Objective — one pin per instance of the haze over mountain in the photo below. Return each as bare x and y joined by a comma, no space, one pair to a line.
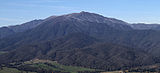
82,39
142,26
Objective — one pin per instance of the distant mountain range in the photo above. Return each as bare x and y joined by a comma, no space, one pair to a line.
82,39
5,31
142,26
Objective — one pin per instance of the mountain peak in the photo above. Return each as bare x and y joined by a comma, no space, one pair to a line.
93,17
84,12
88,13
83,18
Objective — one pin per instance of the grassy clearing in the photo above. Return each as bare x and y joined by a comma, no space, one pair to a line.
44,66
71,68
53,65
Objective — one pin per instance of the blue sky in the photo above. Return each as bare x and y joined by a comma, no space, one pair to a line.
13,12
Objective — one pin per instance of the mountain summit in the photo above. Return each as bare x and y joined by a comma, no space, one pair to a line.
92,17
87,17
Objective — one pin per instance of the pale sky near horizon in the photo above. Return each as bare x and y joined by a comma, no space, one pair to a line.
13,12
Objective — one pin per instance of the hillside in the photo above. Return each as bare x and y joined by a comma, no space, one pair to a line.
81,50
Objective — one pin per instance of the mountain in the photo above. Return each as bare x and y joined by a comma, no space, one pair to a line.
142,26
54,27
83,39
74,18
